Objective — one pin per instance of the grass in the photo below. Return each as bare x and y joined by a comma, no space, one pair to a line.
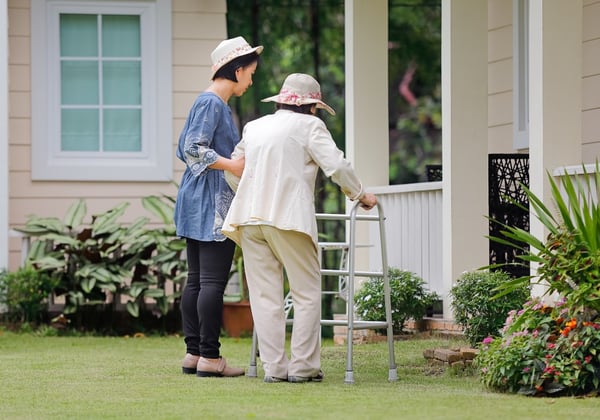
120,377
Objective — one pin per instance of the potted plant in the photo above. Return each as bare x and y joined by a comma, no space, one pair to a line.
237,316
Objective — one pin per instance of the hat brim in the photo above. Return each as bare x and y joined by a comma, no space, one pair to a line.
320,104
258,50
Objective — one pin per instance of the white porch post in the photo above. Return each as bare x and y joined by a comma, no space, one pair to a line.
367,137
465,142
367,144
555,69
3,134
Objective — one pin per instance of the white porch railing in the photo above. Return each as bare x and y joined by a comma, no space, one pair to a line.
413,227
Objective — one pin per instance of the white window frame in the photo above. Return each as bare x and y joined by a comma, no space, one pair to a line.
521,74
154,162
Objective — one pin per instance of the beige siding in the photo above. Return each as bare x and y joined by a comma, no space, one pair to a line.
500,109
198,26
591,82
499,13
500,78
500,137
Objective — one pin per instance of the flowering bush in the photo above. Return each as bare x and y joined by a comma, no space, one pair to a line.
544,350
409,299
554,349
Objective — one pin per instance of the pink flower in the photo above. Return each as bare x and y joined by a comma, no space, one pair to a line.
487,340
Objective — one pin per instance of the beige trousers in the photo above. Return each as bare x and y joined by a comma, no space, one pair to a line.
267,251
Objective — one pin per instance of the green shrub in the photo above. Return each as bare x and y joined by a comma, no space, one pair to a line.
104,258
474,309
409,299
25,294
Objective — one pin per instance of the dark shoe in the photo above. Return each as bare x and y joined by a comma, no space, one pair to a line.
188,366
302,379
216,367
274,379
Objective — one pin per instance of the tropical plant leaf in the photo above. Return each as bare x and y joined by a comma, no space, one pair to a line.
136,289
37,226
107,222
38,249
133,308
159,208
154,293
49,263
61,239
75,214
88,283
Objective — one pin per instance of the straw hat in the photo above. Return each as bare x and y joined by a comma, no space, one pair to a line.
300,89
228,50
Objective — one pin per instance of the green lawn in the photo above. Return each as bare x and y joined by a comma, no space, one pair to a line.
120,377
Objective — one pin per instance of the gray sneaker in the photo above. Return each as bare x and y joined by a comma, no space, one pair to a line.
302,379
274,379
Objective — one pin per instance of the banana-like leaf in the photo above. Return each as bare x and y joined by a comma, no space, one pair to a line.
75,214
37,226
107,222
154,293
111,287
133,308
88,283
137,226
136,289
49,263
159,208
38,249
61,239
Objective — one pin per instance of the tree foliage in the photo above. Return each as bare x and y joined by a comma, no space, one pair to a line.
307,36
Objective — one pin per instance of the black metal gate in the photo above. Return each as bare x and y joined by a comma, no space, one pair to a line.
506,173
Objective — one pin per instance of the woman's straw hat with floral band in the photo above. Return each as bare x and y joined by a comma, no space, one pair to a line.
300,89
228,50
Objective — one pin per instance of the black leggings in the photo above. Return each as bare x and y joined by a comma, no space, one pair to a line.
209,264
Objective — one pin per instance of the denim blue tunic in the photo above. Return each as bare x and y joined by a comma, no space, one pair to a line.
204,197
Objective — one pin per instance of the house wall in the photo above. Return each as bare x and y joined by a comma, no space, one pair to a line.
591,82
500,64
197,27
500,79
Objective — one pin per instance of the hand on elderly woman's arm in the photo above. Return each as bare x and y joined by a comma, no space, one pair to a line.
235,166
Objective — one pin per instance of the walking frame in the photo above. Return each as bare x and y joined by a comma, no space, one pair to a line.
346,277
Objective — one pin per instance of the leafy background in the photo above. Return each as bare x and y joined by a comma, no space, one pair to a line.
307,36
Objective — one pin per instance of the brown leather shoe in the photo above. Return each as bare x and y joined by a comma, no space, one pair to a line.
216,367
188,365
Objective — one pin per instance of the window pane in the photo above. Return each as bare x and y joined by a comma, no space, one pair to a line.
120,36
122,83
79,130
79,82
78,35
122,130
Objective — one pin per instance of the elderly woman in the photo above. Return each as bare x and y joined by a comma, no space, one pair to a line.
273,219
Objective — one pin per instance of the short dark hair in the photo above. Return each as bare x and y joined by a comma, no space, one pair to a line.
229,69
301,109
